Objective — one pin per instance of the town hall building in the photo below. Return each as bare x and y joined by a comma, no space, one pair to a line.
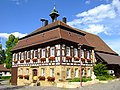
56,52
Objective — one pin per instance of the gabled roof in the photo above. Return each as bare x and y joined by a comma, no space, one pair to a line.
110,59
3,68
97,42
54,31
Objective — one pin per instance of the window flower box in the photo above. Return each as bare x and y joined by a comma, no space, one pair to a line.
26,76
27,60
82,59
34,59
76,58
21,61
89,59
51,58
51,78
68,58
41,77
20,76
43,59
15,61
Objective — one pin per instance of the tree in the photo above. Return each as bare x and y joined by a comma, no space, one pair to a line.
2,55
100,69
10,43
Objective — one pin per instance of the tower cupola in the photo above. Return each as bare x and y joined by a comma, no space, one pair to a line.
54,14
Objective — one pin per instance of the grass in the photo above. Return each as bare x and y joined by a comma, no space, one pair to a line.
78,79
105,77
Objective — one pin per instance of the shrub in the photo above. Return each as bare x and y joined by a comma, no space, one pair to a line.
78,79
5,77
100,69
105,77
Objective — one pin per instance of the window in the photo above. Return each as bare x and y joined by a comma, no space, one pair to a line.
52,51
43,52
88,55
76,72
88,72
75,52
35,53
82,53
42,71
21,71
83,72
28,54
67,51
16,56
22,56
27,71
51,72
68,72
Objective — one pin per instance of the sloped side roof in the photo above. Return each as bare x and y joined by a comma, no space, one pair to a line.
97,42
2,68
110,59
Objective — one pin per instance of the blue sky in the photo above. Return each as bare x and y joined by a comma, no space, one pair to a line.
101,17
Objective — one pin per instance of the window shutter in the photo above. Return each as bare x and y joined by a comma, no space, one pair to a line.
45,52
17,56
48,52
55,52
20,55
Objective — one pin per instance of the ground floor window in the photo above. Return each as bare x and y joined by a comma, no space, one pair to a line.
76,72
51,72
42,71
83,72
68,73
88,72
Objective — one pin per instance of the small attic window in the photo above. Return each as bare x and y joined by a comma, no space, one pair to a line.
69,33
42,34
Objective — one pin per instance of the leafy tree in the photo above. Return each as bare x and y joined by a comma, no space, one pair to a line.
100,69
2,55
10,43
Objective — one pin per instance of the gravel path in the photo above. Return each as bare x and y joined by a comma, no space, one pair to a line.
109,86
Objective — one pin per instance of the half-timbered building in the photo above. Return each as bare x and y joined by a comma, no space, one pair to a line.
53,52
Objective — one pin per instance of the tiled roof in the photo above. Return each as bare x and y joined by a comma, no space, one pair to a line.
2,68
97,42
110,59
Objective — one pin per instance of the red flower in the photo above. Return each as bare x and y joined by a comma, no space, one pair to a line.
27,60
21,61
26,76
76,58
41,77
89,59
51,58
15,61
51,78
20,76
34,59
82,59
43,59
68,58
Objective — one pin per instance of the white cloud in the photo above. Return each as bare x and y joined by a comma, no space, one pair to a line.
18,2
94,19
16,34
96,29
87,2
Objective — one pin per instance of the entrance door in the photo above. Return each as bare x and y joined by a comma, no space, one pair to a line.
34,74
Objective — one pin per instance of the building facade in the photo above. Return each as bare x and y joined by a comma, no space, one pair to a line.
54,53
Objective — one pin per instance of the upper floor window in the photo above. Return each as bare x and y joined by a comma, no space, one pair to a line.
22,55
88,55
28,54
43,52
35,53
67,51
82,53
75,52
52,51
